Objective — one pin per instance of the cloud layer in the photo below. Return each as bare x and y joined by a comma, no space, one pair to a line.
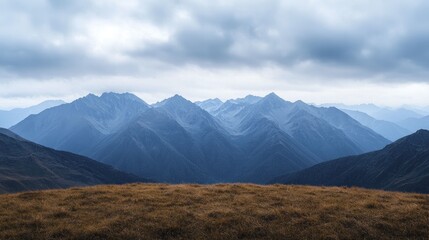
292,43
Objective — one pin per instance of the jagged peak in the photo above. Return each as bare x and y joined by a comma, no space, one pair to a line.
125,95
251,99
273,98
176,100
272,95
110,97
300,103
90,95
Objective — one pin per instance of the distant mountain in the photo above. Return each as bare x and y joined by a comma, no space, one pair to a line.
80,125
389,130
395,115
219,154
270,151
167,143
325,132
155,146
414,124
14,116
424,111
278,134
381,113
400,166
226,111
250,139
29,166
249,99
365,108
210,105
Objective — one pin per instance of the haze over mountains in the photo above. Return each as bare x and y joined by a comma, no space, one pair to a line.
415,124
389,122
389,130
9,118
400,166
382,113
250,139
28,166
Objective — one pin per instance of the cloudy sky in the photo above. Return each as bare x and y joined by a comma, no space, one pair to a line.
335,51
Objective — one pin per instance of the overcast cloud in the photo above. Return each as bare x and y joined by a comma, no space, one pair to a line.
341,51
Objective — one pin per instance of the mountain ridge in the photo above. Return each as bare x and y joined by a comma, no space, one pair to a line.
400,166
29,166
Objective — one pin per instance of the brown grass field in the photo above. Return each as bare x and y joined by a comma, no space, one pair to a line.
157,211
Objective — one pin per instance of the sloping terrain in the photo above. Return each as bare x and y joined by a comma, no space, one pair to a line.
400,166
142,211
27,166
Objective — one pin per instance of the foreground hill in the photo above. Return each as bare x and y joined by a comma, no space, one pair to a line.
401,166
141,211
28,166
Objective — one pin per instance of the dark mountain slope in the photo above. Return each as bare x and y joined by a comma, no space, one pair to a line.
154,146
400,166
220,156
271,152
364,138
28,166
319,137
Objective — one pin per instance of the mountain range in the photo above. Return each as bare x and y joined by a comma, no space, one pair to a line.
242,140
391,123
14,116
400,166
414,124
395,115
389,130
28,166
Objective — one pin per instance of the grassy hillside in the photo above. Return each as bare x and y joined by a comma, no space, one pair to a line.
142,211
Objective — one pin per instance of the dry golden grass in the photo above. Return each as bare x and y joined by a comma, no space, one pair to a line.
155,211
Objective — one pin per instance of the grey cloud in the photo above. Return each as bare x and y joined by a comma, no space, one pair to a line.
363,37
29,59
367,45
